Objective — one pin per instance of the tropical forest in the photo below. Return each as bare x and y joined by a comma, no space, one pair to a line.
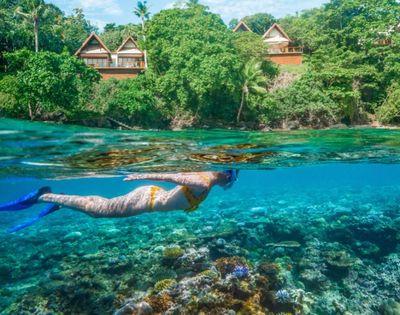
200,73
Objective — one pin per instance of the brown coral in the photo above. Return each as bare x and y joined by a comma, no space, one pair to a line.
226,265
173,252
160,302
270,272
252,306
164,285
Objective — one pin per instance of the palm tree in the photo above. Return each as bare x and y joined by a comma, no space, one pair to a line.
191,3
142,12
35,10
254,81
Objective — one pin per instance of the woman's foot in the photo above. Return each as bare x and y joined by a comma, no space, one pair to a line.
25,201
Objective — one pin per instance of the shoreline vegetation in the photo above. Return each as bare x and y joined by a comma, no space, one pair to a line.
203,75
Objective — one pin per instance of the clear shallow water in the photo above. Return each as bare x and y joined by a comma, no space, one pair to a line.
67,151
333,194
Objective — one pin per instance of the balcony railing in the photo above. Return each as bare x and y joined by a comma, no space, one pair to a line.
285,50
129,65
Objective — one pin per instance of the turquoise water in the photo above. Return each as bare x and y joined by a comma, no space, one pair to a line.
314,214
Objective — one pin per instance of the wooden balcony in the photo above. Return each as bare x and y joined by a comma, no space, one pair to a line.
285,50
131,65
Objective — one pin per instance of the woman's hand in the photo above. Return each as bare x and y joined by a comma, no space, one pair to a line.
133,177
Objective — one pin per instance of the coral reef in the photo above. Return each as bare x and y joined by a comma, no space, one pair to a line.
319,253
173,252
163,285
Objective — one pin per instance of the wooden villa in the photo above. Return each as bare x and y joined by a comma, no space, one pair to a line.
126,62
280,48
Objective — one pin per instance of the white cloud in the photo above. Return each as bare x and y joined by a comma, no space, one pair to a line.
100,7
229,9
99,23
92,7
96,11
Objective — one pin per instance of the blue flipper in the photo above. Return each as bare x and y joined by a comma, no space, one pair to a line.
26,201
50,208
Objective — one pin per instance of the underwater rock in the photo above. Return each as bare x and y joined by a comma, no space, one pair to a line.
192,260
314,279
159,249
220,243
285,244
390,307
278,252
227,250
304,301
118,264
112,232
56,275
180,234
72,236
141,308
158,273
340,261
367,249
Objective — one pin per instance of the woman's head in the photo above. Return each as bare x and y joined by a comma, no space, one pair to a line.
231,176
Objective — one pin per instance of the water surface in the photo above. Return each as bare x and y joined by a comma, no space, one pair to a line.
332,195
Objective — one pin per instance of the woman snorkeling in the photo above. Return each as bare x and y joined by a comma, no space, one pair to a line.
192,189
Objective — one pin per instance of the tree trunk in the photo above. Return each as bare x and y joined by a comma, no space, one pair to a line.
144,40
30,111
36,31
244,92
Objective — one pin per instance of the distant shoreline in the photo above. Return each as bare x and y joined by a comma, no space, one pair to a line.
215,127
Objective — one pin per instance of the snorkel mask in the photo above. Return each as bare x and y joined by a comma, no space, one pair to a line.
232,177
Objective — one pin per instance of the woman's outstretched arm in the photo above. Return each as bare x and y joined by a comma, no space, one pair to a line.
199,179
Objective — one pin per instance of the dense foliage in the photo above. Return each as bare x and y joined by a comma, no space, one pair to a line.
46,84
114,35
353,49
390,110
196,66
56,31
201,73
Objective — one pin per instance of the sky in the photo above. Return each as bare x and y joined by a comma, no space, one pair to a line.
101,12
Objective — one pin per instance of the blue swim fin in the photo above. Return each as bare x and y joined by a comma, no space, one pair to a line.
50,208
25,201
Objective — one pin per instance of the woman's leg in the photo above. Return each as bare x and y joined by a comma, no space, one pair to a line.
134,203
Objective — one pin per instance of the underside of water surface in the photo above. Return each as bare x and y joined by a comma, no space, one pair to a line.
311,227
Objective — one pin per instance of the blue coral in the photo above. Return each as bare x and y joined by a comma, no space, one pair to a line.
282,296
240,272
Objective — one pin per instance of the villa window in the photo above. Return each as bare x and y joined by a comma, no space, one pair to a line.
96,62
128,62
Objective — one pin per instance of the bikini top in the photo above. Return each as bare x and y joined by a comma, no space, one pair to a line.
194,200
